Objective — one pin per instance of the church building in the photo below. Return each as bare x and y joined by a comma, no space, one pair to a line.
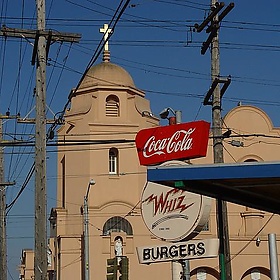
106,113
100,182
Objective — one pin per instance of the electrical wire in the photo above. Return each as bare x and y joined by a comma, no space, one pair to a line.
204,76
2,53
252,239
114,226
10,275
241,25
32,169
229,154
192,5
60,74
29,175
13,170
231,99
114,20
52,73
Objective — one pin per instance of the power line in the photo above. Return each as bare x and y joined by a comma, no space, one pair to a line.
248,80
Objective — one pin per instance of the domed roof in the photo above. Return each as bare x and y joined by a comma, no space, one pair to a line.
107,74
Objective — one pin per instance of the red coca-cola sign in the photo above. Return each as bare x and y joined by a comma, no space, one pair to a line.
180,141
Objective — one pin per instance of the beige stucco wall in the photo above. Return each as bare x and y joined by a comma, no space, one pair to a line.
26,270
119,195
112,194
251,126
116,195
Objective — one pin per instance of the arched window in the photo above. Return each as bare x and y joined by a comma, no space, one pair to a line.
250,160
112,106
117,224
113,161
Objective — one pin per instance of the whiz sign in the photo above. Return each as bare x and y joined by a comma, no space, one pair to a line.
180,141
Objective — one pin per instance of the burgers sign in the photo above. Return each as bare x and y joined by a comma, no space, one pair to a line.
195,249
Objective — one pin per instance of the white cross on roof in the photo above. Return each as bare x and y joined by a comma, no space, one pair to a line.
106,30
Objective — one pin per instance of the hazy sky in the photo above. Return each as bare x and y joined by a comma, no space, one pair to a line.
154,41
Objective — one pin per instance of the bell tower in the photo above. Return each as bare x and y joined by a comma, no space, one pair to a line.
107,111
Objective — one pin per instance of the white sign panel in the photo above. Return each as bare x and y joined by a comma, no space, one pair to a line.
195,249
173,214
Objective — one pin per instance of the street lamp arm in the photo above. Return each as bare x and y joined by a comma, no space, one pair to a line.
91,183
165,112
86,230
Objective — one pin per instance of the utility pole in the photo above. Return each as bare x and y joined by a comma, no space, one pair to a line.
3,246
3,185
213,20
221,206
42,43
40,254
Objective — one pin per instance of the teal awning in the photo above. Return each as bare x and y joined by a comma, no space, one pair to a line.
255,185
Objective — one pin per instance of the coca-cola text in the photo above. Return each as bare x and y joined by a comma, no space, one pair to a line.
180,141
